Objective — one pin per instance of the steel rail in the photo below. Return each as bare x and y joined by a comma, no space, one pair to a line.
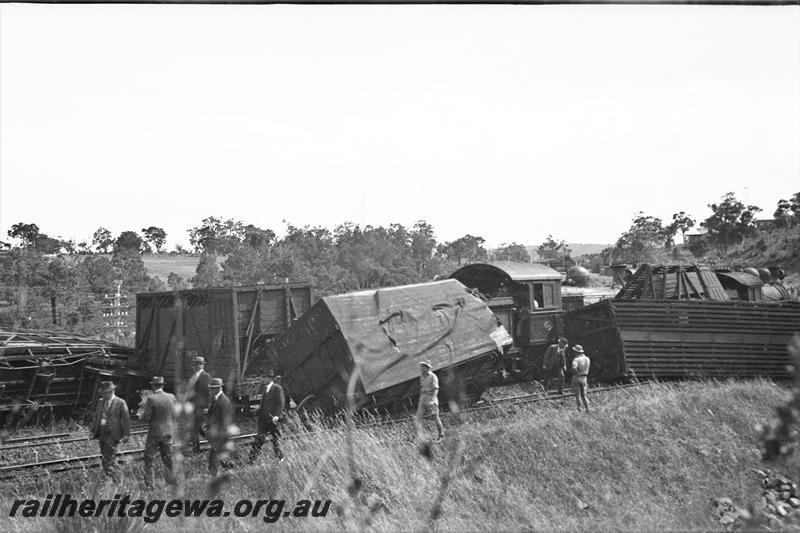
34,441
68,440
72,463
16,440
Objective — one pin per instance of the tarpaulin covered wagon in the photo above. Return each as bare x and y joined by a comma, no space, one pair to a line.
385,333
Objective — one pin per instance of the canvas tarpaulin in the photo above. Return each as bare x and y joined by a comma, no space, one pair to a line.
389,331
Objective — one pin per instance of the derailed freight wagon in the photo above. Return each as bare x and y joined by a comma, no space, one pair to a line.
386,333
648,338
229,326
58,370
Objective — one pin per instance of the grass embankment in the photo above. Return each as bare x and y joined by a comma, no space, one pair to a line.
650,458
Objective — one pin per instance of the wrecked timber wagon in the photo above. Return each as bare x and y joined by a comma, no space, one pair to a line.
46,369
679,321
385,333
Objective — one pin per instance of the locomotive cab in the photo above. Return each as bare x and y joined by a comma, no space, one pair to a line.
526,298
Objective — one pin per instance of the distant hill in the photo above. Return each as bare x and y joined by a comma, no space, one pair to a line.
776,247
578,249
160,265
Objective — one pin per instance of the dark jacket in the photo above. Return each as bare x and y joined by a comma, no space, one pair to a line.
220,420
553,359
200,397
159,410
118,419
272,404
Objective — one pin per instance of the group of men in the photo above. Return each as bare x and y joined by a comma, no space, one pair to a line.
212,415
554,367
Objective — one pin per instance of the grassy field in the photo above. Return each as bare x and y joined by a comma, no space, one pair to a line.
647,459
160,265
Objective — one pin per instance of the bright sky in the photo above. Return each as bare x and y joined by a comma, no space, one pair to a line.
507,122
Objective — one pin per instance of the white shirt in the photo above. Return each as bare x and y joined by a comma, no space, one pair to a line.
103,419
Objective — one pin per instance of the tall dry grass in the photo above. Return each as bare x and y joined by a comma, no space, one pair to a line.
650,458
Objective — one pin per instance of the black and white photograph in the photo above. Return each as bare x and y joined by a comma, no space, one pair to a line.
399,266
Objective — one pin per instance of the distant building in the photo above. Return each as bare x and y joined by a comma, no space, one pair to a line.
691,238
766,224
562,264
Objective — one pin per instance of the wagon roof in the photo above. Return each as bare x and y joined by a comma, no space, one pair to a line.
13,340
389,331
241,288
510,270
743,278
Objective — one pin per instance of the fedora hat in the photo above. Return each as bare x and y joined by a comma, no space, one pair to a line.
269,374
426,363
215,382
157,380
577,348
197,360
106,386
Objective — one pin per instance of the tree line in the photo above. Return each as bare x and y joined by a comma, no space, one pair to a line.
47,281
730,222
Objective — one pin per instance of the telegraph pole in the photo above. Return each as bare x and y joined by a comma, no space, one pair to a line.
115,311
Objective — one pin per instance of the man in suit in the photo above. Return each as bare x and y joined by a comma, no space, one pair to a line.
268,416
220,427
159,411
554,364
110,426
197,395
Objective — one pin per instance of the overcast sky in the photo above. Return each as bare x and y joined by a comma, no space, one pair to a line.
507,122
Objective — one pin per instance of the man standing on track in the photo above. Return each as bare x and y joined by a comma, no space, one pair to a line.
159,411
220,427
197,395
554,364
580,371
110,426
429,399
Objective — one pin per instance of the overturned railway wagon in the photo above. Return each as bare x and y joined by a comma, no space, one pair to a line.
385,333
648,338
229,326
56,369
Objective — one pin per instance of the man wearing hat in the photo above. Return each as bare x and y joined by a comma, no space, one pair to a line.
554,363
197,395
111,424
220,427
580,371
429,398
159,411
269,414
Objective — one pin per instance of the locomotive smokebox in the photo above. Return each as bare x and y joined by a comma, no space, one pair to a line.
579,275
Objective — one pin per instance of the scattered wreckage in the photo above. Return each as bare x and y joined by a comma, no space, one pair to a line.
685,321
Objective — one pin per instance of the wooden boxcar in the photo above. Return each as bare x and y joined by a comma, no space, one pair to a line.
230,327
526,297
386,333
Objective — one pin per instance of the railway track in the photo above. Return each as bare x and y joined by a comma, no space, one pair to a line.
91,460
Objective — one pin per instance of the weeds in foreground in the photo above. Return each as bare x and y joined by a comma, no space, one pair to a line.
648,459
